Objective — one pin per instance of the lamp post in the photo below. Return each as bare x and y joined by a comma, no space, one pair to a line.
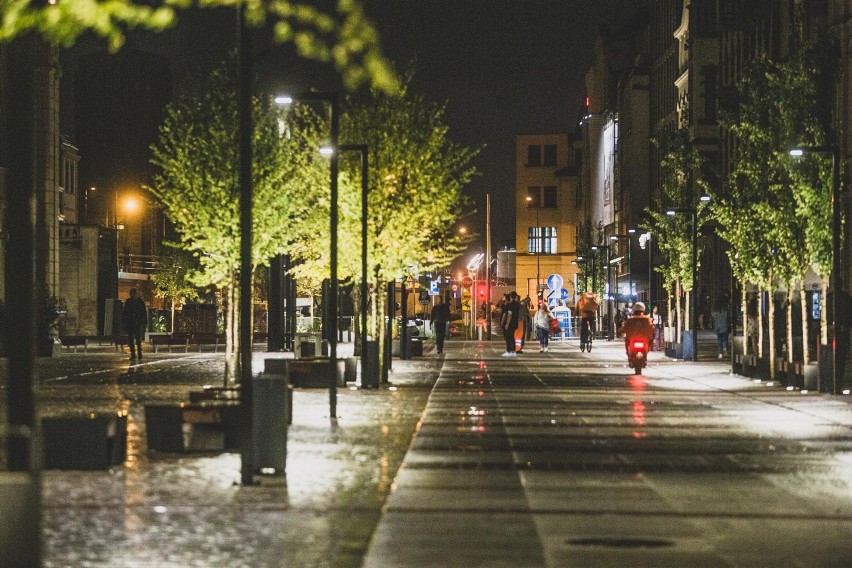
362,149
629,240
837,276
539,234
608,295
692,306
331,309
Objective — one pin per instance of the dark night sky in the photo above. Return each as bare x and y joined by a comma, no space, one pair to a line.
503,67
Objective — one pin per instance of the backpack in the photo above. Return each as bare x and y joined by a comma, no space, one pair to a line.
554,325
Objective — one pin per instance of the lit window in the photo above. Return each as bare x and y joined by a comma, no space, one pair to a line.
541,239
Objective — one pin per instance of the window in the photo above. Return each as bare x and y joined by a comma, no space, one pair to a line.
534,197
533,155
550,196
550,154
541,239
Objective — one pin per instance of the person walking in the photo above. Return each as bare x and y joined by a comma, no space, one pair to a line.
135,319
720,325
657,320
509,323
440,322
542,325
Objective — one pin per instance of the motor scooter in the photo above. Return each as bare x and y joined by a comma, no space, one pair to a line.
637,354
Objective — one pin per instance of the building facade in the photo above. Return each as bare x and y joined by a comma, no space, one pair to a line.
549,206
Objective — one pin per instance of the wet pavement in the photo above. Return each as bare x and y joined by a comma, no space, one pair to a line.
470,459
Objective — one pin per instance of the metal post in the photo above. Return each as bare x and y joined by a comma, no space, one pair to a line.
692,307
20,288
245,324
332,305
488,267
362,148
835,258
275,339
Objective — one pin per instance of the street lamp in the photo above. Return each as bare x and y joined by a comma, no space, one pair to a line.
331,309
692,306
609,314
540,234
837,277
362,149
628,238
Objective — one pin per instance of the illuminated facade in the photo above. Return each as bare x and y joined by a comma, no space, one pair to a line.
549,204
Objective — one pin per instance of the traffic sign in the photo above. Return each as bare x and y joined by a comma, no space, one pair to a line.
467,281
424,297
433,287
554,282
465,304
563,294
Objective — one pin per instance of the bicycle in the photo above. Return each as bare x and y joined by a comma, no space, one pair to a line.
586,335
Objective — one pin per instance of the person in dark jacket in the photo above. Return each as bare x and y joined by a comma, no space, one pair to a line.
440,321
135,319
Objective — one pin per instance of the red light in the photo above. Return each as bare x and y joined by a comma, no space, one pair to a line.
587,101
639,345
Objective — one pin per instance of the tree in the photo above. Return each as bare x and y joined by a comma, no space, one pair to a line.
776,214
343,37
416,180
171,279
198,185
682,180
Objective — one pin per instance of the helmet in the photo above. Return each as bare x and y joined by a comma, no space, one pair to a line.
639,308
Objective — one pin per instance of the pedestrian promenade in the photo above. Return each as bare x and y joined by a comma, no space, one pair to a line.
470,459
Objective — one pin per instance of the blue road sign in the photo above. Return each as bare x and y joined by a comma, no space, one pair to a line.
563,294
554,282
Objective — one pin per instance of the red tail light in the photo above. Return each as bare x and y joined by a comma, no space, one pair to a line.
639,345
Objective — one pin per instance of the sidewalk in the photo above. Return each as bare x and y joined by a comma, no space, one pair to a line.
466,459
182,510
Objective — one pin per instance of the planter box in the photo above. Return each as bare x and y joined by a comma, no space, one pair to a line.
674,350
84,441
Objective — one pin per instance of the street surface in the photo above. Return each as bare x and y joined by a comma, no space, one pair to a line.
555,459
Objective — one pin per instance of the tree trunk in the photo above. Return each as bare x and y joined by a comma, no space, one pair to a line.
678,313
803,299
789,322
356,320
771,328
760,322
744,308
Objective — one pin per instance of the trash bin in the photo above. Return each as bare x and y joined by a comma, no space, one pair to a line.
370,366
416,347
270,419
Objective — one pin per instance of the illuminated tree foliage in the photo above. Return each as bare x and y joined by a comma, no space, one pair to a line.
776,212
416,180
198,185
343,36
682,181
171,279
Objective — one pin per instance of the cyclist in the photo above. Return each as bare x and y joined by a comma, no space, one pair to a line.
587,305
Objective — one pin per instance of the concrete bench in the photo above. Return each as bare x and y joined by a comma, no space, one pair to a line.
313,372
170,340
210,426
75,341
202,339
211,393
88,441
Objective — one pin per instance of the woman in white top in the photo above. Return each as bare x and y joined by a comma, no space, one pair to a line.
542,323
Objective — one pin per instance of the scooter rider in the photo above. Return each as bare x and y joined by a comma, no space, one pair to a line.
638,326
